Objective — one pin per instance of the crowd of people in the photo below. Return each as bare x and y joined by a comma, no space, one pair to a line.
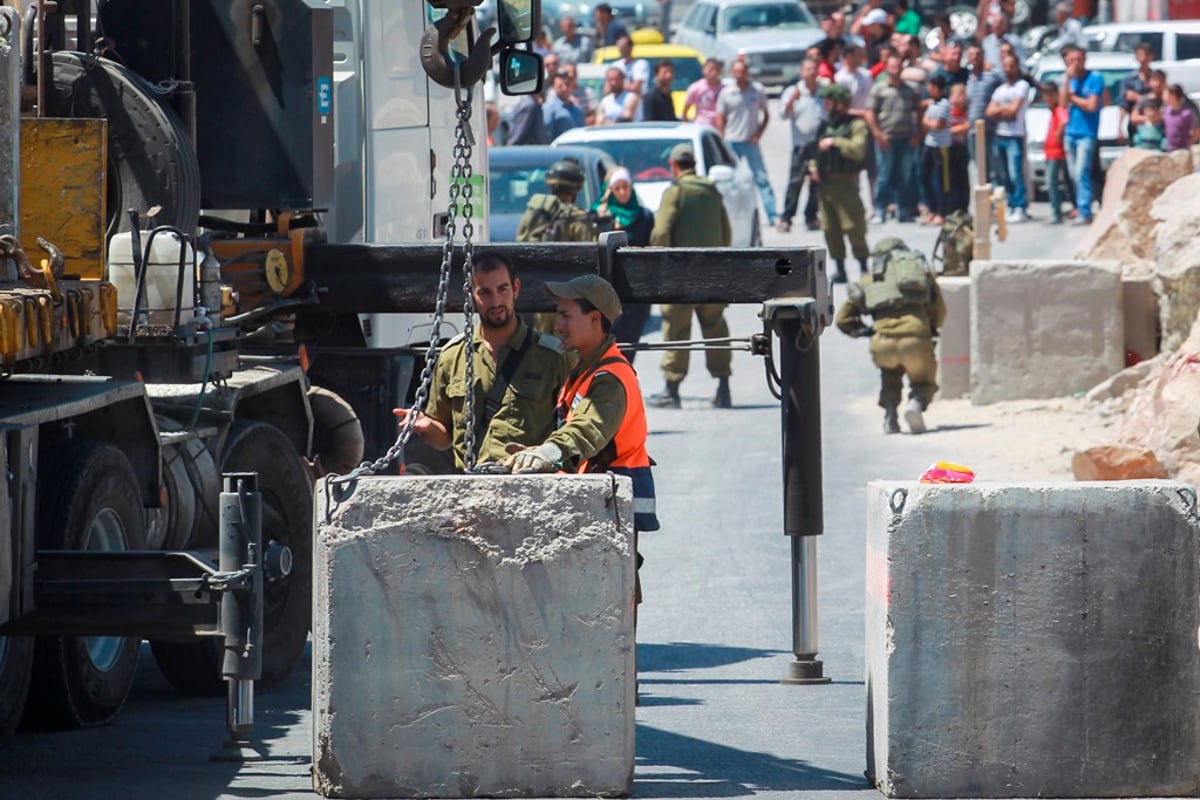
921,106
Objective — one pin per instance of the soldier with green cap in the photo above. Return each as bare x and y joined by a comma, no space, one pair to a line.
903,299
841,152
692,214
554,217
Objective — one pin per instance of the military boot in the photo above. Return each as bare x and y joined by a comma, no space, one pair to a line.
912,415
722,398
891,420
667,398
864,266
840,275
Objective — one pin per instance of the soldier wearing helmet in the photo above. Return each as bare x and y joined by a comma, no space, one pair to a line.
554,217
841,152
906,306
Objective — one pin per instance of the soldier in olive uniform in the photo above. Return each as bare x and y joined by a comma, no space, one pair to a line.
692,214
842,142
555,218
517,375
902,297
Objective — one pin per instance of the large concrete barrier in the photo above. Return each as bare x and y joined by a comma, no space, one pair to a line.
1033,640
474,636
954,346
1044,328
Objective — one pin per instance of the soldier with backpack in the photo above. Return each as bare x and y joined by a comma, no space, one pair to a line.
902,297
554,217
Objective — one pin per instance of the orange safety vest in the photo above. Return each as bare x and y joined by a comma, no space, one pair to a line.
626,453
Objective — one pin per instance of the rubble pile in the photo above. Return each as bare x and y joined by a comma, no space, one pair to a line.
1151,223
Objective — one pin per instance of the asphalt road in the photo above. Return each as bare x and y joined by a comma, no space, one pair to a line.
714,631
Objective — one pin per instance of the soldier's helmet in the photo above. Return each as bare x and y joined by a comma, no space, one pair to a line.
835,92
565,174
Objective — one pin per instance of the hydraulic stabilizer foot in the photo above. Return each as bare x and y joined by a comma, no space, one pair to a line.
805,672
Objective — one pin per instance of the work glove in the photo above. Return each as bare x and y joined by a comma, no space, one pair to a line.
861,331
523,460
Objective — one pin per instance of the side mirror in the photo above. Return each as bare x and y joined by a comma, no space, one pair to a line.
519,20
521,72
720,173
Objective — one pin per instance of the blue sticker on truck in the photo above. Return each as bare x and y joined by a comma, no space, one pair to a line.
324,95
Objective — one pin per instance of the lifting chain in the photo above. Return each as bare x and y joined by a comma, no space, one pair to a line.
340,487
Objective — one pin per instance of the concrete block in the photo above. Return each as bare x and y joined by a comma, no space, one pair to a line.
954,346
1139,309
1033,640
474,636
1044,328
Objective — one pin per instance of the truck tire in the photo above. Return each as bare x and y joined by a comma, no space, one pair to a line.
337,433
151,160
195,667
89,502
16,669
188,520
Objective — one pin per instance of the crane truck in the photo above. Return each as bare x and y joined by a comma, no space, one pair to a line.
231,201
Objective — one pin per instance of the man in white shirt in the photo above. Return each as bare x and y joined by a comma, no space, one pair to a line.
1007,108
1070,30
857,79
741,119
618,104
637,70
800,106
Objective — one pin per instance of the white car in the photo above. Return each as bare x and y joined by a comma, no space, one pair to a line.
1171,40
1050,69
644,148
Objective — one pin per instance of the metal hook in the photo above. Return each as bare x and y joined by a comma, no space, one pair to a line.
897,500
435,51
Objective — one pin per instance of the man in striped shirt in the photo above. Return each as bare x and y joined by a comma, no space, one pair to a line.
980,87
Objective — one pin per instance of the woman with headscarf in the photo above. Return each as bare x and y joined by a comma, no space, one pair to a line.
619,209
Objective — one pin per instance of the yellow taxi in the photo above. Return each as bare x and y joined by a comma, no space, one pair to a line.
686,60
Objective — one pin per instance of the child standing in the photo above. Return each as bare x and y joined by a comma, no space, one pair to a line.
1178,119
935,155
960,125
1150,133
1056,155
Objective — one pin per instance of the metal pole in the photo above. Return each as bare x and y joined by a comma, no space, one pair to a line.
10,121
797,324
241,619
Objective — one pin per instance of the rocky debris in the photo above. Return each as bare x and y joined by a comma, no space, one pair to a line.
1115,462
1177,259
1124,228
1164,408
1119,385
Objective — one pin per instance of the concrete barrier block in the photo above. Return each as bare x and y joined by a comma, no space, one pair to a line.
1033,640
1139,309
954,346
474,636
1044,328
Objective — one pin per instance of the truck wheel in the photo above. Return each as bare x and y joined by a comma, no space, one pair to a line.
195,667
16,668
90,502
188,521
151,161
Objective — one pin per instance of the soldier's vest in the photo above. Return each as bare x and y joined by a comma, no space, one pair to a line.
833,161
901,283
549,219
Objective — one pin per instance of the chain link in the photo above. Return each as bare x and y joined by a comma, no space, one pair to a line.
461,193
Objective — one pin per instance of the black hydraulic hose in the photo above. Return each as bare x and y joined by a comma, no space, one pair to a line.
139,271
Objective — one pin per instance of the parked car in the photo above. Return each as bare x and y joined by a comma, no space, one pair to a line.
644,148
771,36
1051,69
687,62
1172,41
517,173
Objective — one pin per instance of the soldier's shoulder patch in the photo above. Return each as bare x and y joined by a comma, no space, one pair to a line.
550,342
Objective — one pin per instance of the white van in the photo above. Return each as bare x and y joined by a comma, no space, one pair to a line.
1172,41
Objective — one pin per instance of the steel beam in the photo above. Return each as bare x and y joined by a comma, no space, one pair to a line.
376,279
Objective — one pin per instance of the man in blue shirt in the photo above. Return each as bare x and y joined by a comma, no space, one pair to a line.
1083,96
608,29
559,112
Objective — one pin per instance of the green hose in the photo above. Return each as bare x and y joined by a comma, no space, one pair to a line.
203,386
